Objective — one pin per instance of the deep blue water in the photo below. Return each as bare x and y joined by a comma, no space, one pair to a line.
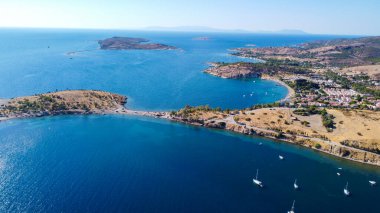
134,164
131,164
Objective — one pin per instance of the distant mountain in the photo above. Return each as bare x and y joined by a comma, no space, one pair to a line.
193,29
211,29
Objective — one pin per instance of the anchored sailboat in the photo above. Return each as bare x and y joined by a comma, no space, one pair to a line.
346,191
295,185
256,180
292,210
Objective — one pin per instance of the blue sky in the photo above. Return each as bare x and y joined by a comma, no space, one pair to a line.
314,16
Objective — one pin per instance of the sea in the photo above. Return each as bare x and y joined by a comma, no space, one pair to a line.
118,163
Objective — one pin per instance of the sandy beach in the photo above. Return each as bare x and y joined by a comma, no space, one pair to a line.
291,92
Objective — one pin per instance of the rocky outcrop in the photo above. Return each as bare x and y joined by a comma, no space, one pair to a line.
215,124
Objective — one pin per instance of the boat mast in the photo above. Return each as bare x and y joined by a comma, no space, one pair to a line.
293,206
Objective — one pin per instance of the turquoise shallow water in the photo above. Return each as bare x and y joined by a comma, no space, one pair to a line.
134,164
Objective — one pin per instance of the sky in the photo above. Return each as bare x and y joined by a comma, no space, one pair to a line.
344,17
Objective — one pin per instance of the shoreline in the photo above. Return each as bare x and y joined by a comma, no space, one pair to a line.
291,92
335,149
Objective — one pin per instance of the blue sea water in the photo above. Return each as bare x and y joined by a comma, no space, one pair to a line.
135,164
154,80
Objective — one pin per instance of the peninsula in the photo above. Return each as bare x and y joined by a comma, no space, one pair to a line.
340,73
350,134
335,101
126,43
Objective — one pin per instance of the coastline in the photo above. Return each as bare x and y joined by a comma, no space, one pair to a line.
334,149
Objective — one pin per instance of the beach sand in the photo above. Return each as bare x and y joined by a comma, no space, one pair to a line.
291,92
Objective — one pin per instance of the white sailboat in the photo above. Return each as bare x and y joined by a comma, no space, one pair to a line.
292,210
346,191
372,182
281,157
256,180
338,173
295,185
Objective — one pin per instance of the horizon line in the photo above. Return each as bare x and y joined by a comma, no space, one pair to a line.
217,30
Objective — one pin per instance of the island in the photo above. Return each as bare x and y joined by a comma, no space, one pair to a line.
60,103
126,43
201,38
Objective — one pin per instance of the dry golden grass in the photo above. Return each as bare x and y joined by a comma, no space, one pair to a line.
371,70
360,126
76,100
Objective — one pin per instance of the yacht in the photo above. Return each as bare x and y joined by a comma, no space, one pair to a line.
372,182
281,157
295,185
292,210
256,180
346,191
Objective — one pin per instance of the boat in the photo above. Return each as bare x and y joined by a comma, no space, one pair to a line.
281,157
346,191
260,143
338,173
295,185
256,180
372,182
292,209
340,168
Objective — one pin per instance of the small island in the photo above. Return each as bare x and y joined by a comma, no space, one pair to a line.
126,43
60,103
201,38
